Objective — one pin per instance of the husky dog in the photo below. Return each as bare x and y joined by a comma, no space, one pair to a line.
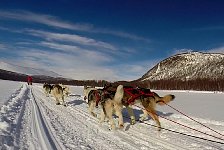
47,89
112,104
105,97
57,92
91,98
148,102
66,90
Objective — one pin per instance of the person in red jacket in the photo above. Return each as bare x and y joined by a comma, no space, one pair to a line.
29,80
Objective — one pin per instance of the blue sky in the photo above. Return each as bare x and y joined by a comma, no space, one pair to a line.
101,39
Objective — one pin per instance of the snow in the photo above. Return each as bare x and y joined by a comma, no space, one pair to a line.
6,92
30,120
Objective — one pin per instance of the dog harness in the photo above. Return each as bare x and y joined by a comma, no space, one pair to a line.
136,93
97,95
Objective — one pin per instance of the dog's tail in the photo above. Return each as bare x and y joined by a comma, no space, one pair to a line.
119,94
163,100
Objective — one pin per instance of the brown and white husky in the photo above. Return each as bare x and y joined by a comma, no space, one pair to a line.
57,92
148,102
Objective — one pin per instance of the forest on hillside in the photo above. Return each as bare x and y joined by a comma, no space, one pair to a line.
196,84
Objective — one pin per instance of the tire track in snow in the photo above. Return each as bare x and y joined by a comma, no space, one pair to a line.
11,113
40,131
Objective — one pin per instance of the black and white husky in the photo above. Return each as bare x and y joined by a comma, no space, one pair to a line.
90,98
47,89
110,102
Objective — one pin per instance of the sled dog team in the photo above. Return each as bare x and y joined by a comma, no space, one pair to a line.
112,99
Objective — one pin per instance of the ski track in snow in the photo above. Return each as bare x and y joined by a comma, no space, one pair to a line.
33,121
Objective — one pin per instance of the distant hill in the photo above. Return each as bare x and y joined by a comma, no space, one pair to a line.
19,73
27,70
188,66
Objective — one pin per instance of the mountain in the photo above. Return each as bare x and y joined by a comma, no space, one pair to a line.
188,66
27,70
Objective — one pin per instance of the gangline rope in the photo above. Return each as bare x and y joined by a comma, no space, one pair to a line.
185,127
193,136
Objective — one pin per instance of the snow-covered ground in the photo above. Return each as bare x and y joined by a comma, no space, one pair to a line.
30,120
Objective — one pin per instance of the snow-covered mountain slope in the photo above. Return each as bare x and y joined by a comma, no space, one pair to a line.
188,66
27,70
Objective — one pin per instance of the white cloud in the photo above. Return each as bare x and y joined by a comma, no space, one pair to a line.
71,55
217,50
122,34
135,70
53,21
183,50
61,47
90,72
81,65
42,19
77,51
84,66
71,38
2,46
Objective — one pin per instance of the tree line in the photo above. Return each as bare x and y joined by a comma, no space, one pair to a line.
196,84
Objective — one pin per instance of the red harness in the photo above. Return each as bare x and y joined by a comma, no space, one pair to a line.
136,93
97,95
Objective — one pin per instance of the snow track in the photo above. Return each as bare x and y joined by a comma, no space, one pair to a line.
11,117
39,128
35,122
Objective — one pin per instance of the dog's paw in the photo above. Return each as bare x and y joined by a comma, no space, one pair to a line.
121,126
133,121
159,129
94,115
141,120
